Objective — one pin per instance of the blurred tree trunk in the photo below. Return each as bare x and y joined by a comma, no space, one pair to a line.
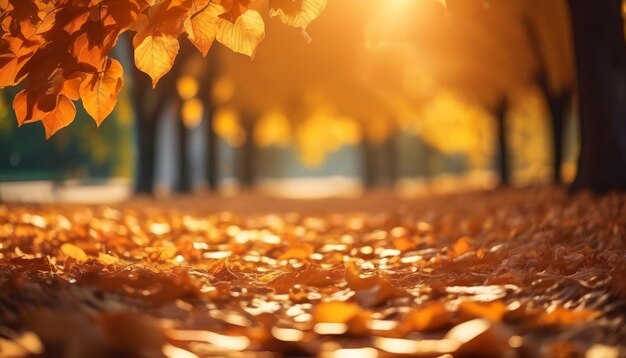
601,71
147,109
557,103
205,94
184,180
500,111
246,154
390,147
378,164
558,106
368,170
212,155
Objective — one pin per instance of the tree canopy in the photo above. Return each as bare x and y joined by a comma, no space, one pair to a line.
59,50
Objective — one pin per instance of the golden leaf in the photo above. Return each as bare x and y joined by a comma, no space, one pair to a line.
244,35
560,316
74,252
201,27
107,259
461,246
60,117
155,55
335,312
430,317
191,112
297,13
99,91
494,311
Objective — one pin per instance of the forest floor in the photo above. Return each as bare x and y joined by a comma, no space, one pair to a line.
506,273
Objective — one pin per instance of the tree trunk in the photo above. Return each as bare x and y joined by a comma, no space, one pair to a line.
368,165
601,71
246,156
184,181
212,155
391,159
500,112
205,95
558,106
146,119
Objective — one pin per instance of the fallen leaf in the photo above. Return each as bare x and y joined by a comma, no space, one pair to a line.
74,252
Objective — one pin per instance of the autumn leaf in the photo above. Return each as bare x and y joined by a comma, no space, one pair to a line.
94,43
494,310
233,9
156,42
155,55
25,111
124,12
60,117
559,316
370,290
430,317
244,35
349,314
99,91
297,13
201,27
299,252
45,43
74,252
14,54
335,312
461,246
107,259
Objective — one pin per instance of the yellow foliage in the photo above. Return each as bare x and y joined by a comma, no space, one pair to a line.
529,134
379,130
453,126
223,90
323,133
155,55
191,112
74,252
201,27
310,9
347,130
272,129
244,35
187,87
226,124
99,91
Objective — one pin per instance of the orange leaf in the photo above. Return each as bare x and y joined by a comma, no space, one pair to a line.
74,252
70,87
494,311
25,110
233,9
300,252
430,317
297,13
14,54
155,55
560,316
244,35
202,26
371,290
99,91
60,117
335,312
461,246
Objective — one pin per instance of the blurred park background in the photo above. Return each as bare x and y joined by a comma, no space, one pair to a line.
412,96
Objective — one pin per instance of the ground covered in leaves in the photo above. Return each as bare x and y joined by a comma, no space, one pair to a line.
526,273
